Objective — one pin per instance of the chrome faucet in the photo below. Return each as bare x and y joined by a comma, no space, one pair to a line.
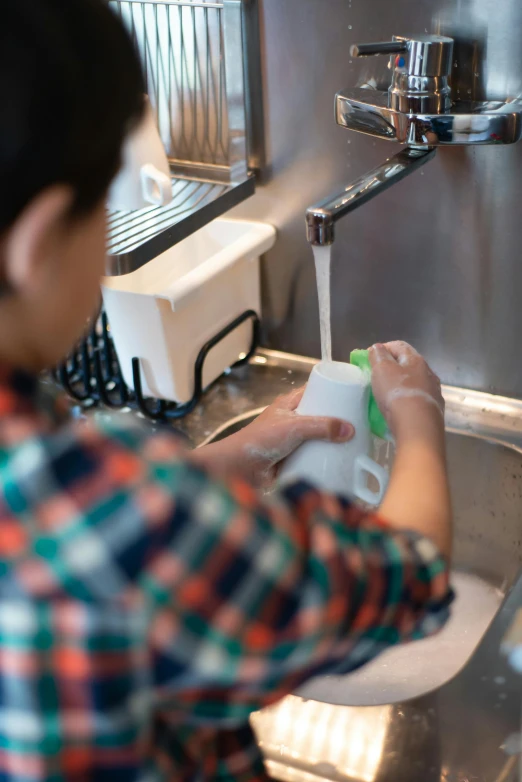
321,219
418,111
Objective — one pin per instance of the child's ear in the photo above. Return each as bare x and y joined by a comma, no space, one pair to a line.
32,245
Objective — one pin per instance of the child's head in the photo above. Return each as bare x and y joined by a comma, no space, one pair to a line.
71,89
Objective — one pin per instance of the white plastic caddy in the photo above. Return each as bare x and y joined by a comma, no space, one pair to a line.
165,312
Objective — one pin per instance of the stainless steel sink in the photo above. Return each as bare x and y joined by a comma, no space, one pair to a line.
454,731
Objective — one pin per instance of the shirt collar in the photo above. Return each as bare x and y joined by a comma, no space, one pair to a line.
28,405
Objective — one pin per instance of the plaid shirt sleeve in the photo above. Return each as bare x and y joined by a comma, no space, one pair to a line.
146,611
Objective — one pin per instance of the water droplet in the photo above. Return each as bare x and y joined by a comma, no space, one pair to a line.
456,64
499,679
349,141
350,27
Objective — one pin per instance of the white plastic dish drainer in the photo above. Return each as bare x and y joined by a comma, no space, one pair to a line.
166,312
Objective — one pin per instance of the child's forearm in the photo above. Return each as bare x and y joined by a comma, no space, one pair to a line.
418,497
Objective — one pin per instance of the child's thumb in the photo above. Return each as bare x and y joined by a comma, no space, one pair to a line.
321,428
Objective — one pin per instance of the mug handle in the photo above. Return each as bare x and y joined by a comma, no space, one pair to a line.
156,186
365,466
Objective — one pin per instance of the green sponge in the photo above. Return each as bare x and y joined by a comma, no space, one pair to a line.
378,426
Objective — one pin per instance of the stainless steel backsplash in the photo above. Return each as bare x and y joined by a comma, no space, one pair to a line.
436,260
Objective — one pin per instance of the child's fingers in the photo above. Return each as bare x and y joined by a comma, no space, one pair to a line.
290,401
402,351
379,354
295,398
278,441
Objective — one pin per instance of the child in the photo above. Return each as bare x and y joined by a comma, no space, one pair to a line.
147,608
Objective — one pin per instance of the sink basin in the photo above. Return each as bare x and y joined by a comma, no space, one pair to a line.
460,702
342,728
486,483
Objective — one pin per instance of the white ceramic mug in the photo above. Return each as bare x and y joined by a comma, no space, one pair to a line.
339,391
144,178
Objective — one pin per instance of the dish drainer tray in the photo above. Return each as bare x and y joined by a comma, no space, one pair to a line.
135,238
195,56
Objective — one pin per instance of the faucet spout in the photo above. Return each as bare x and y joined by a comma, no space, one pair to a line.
321,219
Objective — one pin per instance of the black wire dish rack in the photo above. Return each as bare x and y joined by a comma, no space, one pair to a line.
91,375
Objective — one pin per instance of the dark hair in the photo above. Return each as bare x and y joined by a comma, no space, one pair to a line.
71,87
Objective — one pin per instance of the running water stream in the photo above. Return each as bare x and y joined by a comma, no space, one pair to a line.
322,256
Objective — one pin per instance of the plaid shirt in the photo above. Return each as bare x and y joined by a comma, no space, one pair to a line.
146,611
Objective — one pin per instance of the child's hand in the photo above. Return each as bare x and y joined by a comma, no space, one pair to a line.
407,391
257,451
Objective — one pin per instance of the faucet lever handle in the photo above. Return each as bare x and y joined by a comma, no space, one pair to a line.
420,72
387,47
